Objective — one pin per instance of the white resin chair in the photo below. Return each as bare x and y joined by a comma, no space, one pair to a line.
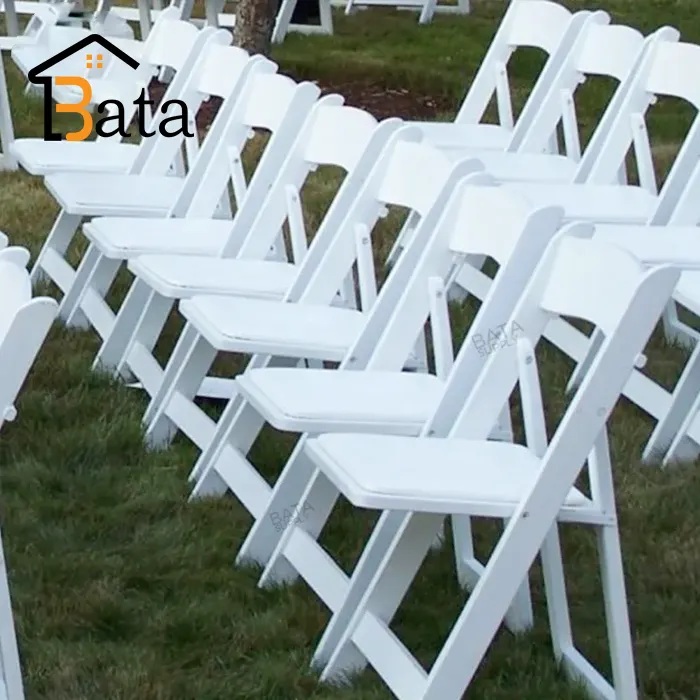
417,482
540,24
24,324
43,39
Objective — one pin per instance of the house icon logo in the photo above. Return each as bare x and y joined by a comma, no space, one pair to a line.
96,52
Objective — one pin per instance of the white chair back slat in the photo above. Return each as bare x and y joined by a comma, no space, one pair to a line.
362,139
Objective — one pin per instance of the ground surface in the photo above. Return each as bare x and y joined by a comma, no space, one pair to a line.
123,591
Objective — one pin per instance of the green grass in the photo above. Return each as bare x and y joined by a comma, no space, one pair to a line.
123,591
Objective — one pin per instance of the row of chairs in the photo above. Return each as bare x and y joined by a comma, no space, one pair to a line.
571,238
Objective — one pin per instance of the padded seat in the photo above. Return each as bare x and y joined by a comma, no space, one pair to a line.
428,474
122,240
326,400
184,276
113,194
39,157
268,327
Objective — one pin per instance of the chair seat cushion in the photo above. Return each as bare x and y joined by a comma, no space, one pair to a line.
102,194
428,474
40,157
325,400
274,328
183,276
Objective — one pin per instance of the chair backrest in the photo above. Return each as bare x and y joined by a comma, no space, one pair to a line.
596,282
669,69
600,49
332,135
157,152
15,254
267,101
526,23
407,174
480,219
24,323
170,41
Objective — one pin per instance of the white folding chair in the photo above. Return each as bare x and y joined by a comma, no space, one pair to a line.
142,14
24,324
629,215
305,325
540,24
676,436
147,190
419,481
109,154
270,102
333,135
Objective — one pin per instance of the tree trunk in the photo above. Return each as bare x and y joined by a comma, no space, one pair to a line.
255,20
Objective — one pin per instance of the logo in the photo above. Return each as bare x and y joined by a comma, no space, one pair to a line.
497,338
114,110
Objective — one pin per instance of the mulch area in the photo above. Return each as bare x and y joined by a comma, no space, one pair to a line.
381,101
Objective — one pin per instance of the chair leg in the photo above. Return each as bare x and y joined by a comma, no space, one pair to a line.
386,590
291,484
182,381
229,468
92,281
616,613
57,243
226,421
683,398
317,500
284,17
683,448
116,343
388,527
555,590
141,343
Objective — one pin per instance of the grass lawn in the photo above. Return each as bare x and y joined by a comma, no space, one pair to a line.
123,591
